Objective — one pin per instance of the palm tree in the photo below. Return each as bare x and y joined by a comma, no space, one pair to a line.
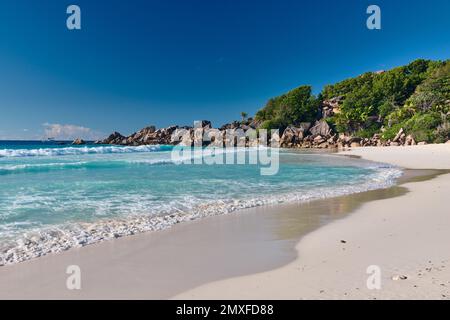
244,115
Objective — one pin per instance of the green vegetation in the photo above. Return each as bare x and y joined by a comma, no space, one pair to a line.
298,105
415,97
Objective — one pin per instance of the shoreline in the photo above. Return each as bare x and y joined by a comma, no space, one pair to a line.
58,239
210,249
146,266
400,235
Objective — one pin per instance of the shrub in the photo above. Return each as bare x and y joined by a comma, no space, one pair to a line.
298,105
275,123
422,126
391,132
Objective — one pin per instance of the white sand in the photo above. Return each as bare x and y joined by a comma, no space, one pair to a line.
404,236
432,156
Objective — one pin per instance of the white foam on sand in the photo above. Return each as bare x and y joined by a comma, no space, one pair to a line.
40,242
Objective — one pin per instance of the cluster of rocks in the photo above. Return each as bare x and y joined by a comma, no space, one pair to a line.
321,136
304,135
150,135
402,139
185,135
250,123
145,136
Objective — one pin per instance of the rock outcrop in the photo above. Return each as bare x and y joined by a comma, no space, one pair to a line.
292,137
78,142
200,134
321,127
320,135
149,135
114,138
331,107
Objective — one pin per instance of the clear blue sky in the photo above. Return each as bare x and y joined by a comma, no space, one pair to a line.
163,62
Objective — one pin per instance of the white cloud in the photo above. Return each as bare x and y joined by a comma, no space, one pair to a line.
69,132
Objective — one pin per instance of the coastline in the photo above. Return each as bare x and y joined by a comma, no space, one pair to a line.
209,249
147,265
59,238
223,151
400,235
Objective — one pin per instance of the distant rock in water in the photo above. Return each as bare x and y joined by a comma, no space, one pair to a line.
78,142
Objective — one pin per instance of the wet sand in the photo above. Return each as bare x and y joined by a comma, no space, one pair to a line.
406,237
159,265
197,259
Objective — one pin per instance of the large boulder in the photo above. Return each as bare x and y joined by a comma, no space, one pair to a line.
165,134
292,136
149,135
182,136
304,126
114,138
321,128
409,140
143,136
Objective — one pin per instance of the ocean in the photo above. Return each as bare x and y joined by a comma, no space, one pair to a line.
54,197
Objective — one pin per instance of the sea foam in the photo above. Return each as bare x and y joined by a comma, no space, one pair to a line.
65,151
42,241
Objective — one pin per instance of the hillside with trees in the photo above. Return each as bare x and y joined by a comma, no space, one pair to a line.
414,98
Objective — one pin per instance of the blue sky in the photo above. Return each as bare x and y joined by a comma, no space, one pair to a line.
141,62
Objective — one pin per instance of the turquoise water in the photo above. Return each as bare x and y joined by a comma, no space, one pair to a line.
48,186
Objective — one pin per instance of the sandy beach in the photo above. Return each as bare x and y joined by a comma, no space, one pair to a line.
406,237
274,252
160,265
221,150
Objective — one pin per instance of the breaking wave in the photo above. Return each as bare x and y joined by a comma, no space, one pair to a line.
145,215
66,151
